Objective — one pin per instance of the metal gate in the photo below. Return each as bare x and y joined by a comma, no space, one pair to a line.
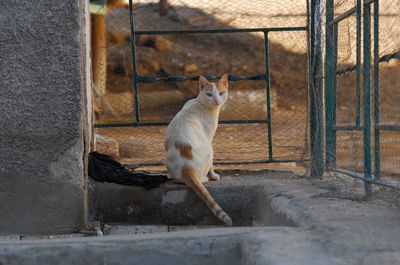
324,120
139,80
367,100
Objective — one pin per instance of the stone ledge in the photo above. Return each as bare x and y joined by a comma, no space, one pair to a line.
330,230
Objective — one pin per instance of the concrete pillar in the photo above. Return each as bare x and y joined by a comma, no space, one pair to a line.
44,124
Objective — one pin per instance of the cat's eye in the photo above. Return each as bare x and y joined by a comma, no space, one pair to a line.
209,94
221,93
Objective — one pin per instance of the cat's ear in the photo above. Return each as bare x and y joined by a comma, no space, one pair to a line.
203,82
223,82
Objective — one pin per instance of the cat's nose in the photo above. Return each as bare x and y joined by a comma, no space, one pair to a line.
217,102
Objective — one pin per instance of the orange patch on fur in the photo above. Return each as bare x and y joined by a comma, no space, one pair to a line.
190,178
222,88
185,150
187,174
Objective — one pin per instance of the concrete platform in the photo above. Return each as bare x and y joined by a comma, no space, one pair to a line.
325,229
175,205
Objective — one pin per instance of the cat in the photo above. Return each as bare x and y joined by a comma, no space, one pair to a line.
188,141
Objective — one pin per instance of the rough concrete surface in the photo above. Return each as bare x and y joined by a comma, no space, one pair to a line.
41,106
212,246
173,204
328,229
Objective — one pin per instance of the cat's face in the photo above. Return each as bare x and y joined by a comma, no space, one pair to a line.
213,94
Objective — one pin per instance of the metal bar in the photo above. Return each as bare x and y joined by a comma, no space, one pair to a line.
226,163
388,127
345,15
134,69
315,90
334,88
268,94
358,64
134,124
350,12
362,177
376,91
269,161
330,89
367,96
367,2
231,77
348,127
226,30
350,173
346,70
383,58
390,56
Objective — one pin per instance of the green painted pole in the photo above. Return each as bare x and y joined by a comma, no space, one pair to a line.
376,91
358,64
315,90
367,95
330,89
268,94
134,68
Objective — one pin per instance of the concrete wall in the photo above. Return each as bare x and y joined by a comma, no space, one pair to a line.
43,122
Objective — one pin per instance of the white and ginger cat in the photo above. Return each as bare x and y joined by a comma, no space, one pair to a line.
188,141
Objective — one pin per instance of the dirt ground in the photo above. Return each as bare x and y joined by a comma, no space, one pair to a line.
234,54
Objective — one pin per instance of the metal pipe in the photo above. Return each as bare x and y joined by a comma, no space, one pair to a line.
376,91
367,2
388,127
206,31
358,64
134,124
367,96
383,58
345,15
348,127
268,94
315,90
330,90
226,163
134,69
334,91
362,177
231,77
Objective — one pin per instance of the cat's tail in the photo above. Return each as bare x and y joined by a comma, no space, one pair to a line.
189,176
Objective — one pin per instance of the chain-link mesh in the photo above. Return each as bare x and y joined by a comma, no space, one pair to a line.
207,54
350,143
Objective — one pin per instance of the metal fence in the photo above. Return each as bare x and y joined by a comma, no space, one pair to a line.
310,81
362,80
265,119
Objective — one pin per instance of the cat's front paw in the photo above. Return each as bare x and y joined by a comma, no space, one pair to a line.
214,176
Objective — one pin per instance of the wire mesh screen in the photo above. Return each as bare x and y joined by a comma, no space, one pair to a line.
239,53
350,86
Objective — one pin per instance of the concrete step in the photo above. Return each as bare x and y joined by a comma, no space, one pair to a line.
239,245
329,229
175,204
126,229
